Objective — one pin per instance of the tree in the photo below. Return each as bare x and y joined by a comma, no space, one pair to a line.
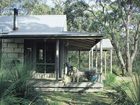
31,6
40,9
25,7
58,7
5,3
77,16
120,20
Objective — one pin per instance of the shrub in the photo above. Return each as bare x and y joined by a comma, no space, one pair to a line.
116,70
128,93
16,86
110,79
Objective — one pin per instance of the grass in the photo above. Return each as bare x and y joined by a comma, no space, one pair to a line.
67,98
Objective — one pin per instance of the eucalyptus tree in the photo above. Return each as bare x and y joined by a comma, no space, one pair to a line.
5,3
58,7
33,6
117,19
77,15
24,6
41,9
120,19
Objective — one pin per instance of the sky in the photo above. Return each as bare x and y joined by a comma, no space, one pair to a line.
50,2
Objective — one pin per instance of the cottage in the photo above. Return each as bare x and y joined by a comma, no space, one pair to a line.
41,42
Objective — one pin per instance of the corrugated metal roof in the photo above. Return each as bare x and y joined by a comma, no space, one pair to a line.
34,23
105,43
40,26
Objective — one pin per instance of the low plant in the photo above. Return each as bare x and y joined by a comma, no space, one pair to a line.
133,92
110,79
127,92
16,87
116,70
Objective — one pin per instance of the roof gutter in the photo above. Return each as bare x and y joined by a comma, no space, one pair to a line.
6,36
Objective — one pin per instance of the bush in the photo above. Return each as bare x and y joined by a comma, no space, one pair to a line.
16,86
116,70
110,79
128,93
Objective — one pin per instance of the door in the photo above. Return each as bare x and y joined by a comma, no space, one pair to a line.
40,55
45,56
28,54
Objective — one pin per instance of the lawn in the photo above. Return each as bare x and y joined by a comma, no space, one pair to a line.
67,98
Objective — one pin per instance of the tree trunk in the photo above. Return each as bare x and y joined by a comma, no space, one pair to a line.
128,55
119,54
128,58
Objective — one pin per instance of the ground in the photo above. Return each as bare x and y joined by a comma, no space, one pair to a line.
67,98
102,97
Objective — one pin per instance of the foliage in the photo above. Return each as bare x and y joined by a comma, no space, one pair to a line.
25,7
77,17
136,65
120,21
5,3
58,7
16,86
127,92
110,79
40,9
133,92
79,59
116,70
119,97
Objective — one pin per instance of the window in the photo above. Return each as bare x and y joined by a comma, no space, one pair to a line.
41,55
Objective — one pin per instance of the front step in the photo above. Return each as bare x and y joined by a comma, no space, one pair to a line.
70,87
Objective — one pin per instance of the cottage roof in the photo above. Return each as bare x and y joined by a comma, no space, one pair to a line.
38,26
34,23
49,27
105,43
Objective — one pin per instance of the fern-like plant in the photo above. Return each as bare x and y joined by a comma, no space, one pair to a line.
16,86
110,79
133,91
128,91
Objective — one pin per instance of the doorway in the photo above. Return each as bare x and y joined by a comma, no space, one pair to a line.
40,55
